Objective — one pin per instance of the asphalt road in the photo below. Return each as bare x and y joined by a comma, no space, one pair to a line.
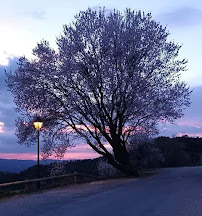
171,192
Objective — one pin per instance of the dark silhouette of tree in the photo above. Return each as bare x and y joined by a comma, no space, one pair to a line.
111,76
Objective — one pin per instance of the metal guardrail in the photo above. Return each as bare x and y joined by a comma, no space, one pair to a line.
43,183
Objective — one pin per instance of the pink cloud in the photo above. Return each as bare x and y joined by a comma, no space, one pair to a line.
126,129
19,156
85,148
33,156
190,123
81,151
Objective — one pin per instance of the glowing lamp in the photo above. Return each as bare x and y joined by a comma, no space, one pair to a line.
38,124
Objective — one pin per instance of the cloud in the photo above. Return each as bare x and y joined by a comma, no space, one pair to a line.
5,57
182,17
191,122
182,126
38,14
12,65
22,156
81,151
1,127
194,112
7,113
33,156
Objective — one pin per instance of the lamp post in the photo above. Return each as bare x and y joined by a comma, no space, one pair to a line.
38,125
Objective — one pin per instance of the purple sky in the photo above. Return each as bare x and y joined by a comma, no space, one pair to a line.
23,24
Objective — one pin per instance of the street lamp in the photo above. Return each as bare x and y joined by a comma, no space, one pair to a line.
38,125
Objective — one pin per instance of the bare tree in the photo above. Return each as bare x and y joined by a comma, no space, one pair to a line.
112,75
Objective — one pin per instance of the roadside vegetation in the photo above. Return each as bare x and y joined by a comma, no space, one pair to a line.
157,153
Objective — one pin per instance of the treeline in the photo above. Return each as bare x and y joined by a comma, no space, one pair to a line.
170,152
180,151
157,153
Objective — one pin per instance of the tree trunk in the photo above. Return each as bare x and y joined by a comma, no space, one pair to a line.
123,165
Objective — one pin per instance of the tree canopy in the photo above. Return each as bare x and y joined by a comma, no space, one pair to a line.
112,75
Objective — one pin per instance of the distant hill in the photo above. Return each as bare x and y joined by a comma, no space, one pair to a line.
16,166
87,166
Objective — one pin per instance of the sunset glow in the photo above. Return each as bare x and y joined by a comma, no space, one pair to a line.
190,123
80,151
33,156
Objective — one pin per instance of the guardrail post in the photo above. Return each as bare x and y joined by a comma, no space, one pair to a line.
75,177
